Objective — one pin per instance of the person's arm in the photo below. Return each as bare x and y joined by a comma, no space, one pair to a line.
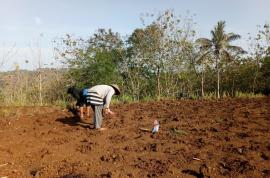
108,98
108,101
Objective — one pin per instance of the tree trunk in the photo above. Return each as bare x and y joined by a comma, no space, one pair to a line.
40,79
218,81
40,89
158,83
218,76
233,90
202,84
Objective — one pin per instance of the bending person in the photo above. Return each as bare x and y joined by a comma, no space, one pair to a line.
99,97
80,96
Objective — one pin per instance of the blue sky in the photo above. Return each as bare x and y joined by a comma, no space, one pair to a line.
22,21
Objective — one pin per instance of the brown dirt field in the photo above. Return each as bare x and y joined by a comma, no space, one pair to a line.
197,138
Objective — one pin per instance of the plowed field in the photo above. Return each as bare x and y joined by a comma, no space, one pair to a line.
197,138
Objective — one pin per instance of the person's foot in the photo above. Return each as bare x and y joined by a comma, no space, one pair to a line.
102,129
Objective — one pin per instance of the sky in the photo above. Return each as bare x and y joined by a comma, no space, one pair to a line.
28,27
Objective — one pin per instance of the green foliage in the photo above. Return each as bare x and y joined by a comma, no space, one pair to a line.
157,61
160,60
248,95
158,54
220,48
61,103
93,61
265,73
124,98
210,95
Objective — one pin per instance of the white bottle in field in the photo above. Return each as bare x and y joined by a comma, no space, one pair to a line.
156,127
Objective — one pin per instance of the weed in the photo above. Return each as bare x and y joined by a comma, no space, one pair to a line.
179,132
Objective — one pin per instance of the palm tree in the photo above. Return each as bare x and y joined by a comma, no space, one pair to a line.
219,46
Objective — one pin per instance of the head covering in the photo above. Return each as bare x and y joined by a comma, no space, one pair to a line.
75,92
116,89
70,90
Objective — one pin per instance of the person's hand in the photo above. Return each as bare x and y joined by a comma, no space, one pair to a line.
109,112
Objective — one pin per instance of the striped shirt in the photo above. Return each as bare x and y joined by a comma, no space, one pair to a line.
100,95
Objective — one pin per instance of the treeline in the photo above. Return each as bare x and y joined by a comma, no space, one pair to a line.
163,59
39,87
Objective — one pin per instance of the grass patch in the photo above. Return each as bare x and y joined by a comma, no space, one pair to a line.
248,95
7,112
178,132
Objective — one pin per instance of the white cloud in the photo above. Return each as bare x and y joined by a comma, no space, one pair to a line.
38,20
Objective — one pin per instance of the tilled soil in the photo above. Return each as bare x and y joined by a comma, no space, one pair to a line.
197,138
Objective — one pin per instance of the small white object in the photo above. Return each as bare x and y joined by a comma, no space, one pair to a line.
196,159
156,127
3,164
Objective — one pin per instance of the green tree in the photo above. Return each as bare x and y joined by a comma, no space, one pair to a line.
219,46
92,61
162,50
147,44
265,73
260,51
201,61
